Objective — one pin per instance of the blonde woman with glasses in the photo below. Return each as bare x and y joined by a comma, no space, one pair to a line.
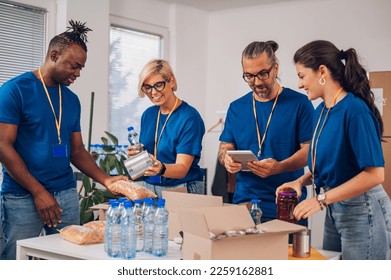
171,131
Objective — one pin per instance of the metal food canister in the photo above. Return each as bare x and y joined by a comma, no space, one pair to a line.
301,247
286,202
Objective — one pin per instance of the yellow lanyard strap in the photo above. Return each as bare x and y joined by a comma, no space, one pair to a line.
58,122
157,140
314,142
260,142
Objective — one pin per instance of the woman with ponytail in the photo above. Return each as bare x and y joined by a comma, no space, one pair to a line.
345,157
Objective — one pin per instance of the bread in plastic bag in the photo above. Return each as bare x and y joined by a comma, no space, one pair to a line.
131,190
81,235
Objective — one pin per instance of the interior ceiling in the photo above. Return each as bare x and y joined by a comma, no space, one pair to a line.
217,5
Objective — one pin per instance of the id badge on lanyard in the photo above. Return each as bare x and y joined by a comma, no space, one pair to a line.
60,150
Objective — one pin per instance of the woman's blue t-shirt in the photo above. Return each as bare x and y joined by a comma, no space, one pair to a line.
182,135
349,142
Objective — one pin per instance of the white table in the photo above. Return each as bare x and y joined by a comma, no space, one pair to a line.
53,247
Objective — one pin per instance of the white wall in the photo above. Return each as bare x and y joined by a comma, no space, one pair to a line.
205,48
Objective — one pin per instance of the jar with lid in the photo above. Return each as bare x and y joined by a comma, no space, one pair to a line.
286,202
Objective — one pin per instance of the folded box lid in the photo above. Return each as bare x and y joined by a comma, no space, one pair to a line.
176,201
201,221
279,226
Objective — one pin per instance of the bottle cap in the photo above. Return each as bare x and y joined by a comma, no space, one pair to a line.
161,202
289,194
128,204
138,201
254,200
130,128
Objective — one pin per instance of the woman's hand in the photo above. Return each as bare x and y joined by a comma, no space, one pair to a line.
306,208
155,168
134,150
289,186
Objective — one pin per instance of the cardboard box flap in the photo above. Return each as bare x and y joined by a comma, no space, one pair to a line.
279,226
194,222
179,200
100,206
216,219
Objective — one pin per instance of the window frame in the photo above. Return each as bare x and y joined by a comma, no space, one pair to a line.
137,26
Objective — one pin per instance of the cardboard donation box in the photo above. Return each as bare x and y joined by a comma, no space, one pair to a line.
200,223
177,201
102,207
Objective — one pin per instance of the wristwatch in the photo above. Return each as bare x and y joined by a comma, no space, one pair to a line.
321,199
162,170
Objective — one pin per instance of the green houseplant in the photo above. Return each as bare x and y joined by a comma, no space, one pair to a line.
111,160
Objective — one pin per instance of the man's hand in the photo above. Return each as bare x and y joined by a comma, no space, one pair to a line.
48,208
264,168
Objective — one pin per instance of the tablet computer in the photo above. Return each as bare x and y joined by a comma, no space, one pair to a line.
242,156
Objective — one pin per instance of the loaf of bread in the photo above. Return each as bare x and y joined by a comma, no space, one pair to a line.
81,235
131,190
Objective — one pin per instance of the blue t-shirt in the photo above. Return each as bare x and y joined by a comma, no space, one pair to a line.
23,102
290,126
349,142
182,135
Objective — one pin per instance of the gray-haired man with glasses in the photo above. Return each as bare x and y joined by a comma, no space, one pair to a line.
272,121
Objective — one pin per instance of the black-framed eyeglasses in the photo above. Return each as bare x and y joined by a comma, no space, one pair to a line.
261,75
158,86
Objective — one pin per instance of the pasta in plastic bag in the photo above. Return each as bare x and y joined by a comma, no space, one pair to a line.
131,190
81,235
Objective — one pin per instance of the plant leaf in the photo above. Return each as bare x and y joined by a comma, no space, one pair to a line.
113,138
86,183
104,140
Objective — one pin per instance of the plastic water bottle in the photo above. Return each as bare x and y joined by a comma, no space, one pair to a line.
138,212
148,221
255,211
128,232
133,138
113,226
160,231
121,207
107,215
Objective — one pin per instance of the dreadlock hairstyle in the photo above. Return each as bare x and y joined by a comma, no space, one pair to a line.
351,75
75,34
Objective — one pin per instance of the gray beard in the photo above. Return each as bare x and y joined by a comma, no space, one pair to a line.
263,94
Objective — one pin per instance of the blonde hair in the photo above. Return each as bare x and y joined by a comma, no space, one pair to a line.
156,66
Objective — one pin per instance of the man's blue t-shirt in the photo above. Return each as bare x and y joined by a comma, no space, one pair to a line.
182,135
23,102
290,126
349,142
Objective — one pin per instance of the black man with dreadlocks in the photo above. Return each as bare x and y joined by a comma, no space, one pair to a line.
40,136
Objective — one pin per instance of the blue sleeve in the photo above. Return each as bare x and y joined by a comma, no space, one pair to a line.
226,135
305,121
365,140
190,140
10,104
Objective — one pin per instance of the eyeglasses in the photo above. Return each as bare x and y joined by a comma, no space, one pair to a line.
262,75
158,86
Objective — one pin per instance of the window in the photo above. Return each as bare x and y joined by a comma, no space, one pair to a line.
22,33
130,50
